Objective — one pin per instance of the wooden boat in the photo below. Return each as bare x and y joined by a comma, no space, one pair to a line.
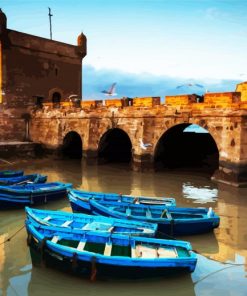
78,223
33,178
22,195
170,220
105,254
79,199
10,173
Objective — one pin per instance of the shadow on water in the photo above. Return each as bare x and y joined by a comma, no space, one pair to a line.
68,284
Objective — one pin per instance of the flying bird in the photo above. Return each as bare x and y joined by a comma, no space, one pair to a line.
190,84
111,91
144,146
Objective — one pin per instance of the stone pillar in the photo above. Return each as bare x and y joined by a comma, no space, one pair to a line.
233,153
142,162
231,173
90,157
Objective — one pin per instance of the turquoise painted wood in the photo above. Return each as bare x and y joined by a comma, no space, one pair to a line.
79,199
22,195
170,220
78,223
108,255
32,178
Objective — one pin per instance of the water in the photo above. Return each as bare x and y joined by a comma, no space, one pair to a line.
227,244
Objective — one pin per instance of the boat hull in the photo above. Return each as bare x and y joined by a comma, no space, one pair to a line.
79,223
10,173
166,226
10,197
79,200
34,178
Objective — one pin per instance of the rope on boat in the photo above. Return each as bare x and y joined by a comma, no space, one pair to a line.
208,275
222,262
167,236
8,162
12,236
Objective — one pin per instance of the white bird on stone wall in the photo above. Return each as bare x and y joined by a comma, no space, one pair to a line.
144,146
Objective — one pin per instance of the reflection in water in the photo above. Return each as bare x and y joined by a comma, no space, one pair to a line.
219,279
200,195
228,243
69,285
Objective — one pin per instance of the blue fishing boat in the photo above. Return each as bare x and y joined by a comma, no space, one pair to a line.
79,200
170,220
10,173
29,194
104,254
33,178
78,223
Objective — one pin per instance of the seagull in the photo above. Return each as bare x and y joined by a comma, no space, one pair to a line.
144,146
111,91
190,84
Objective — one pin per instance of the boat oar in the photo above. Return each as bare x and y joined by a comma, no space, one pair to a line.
24,182
8,162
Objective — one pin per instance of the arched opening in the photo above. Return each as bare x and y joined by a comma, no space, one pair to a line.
186,147
72,145
115,146
56,98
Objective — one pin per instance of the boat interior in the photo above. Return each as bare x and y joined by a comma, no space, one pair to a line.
115,245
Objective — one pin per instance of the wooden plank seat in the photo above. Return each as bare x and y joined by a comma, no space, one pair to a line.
108,249
167,252
143,251
93,226
133,252
67,223
87,226
55,239
110,229
46,219
81,245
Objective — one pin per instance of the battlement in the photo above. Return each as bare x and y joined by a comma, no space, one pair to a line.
235,100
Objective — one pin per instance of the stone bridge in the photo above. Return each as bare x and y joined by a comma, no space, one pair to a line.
152,137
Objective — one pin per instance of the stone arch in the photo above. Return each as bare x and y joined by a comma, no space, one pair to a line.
72,145
178,149
115,146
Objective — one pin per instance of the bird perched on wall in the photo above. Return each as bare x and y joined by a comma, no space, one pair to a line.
111,91
144,146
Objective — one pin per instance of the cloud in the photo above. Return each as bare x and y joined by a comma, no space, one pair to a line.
213,13
145,84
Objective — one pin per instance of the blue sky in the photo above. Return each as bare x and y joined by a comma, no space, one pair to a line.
182,40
